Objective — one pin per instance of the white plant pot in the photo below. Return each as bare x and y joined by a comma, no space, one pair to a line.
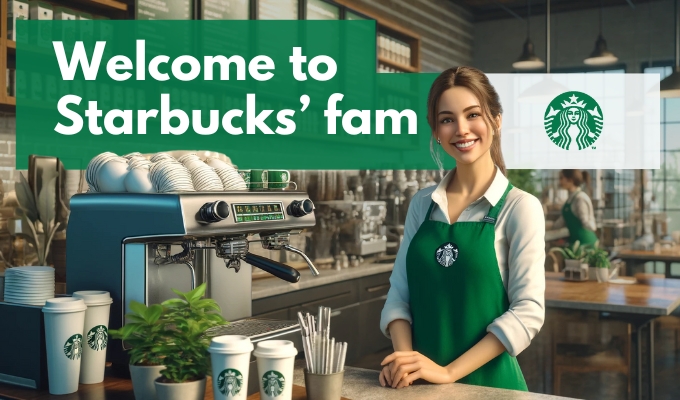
602,274
180,391
143,378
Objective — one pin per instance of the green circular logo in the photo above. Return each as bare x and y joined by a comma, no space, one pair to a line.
98,337
573,120
73,348
230,382
273,383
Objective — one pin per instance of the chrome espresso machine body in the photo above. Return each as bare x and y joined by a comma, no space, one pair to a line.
141,246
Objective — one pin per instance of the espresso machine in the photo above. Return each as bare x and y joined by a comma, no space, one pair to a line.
360,225
141,246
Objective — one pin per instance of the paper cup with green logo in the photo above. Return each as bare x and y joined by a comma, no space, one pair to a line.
230,357
64,321
258,179
275,365
95,334
278,178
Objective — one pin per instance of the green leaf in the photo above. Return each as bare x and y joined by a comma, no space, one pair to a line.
153,313
46,203
25,198
138,308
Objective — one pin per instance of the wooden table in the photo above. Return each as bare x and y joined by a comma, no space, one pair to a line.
637,258
111,389
637,303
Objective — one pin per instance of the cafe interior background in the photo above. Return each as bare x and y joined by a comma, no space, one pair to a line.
360,214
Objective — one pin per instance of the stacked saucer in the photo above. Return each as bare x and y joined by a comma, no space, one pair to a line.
231,179
168,175
29,285
204,177
93,169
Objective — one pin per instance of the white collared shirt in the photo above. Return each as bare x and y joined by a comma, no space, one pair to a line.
520,251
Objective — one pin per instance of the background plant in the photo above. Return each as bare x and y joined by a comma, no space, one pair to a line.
575,252
144,333
184,347
598,257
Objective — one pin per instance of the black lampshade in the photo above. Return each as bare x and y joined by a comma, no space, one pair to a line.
528,59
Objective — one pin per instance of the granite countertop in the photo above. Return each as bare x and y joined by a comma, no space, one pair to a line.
271,286
363,384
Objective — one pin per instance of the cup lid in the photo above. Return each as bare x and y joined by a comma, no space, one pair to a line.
230,344
94,297
275,349
64,305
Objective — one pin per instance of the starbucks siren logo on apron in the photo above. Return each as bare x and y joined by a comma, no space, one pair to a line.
98,337
573,120
73,347
446,254
230,382
273,383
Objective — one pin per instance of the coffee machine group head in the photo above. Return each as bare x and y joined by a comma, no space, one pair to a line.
141,246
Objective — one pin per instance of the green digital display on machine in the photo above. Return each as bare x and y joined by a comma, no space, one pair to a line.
256,212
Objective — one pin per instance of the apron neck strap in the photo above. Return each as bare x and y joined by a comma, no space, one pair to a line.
493,212
429,210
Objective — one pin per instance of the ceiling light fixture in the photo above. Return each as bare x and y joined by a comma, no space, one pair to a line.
528,59
670,86
601,55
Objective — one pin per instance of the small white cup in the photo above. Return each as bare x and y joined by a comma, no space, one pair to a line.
95,334
275,365
64,321
230,356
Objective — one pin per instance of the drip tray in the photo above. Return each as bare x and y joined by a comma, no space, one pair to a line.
256,329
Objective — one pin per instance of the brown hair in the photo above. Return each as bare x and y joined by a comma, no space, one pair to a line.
477,82
577,176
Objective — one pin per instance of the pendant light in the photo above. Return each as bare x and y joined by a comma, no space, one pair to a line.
670,86
547,89
601,56
528,59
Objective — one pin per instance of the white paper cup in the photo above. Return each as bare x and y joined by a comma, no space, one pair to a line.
275,365
64,321
95,334
230,357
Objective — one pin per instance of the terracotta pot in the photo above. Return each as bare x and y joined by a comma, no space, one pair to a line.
143,378
180,391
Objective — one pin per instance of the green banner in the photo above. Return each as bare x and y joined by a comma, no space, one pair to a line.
269,94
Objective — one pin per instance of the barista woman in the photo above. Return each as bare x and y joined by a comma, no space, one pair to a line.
467,289
577,213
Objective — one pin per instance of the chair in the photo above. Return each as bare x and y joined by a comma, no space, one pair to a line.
554,261
582,343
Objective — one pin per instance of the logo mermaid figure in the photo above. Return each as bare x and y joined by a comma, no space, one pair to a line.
573,120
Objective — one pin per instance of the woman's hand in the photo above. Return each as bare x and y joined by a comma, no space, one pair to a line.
402,368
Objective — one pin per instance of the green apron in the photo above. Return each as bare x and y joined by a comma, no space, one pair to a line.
576,229
456,291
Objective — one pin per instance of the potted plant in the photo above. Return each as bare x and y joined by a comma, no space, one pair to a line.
598,259
142,333
184,345
38,215
574,256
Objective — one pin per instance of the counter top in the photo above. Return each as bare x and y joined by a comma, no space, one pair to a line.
363,384
271,286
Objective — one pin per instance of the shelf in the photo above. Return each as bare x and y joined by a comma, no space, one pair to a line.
396,65
11,46
9,104
100,4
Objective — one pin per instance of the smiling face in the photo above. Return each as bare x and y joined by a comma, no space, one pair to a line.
573,114
461,127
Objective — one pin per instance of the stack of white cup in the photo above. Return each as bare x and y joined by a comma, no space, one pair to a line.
76,334
95,334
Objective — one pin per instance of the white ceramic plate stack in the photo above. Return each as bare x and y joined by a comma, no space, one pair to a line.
93,169
204,176
29,285
138,178
231,179
169,175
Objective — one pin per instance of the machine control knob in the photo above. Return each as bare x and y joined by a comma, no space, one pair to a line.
300,208
214,211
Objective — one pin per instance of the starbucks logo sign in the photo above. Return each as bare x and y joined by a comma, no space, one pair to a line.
73,348
230,382
446,254
273,383
573,120
98,338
